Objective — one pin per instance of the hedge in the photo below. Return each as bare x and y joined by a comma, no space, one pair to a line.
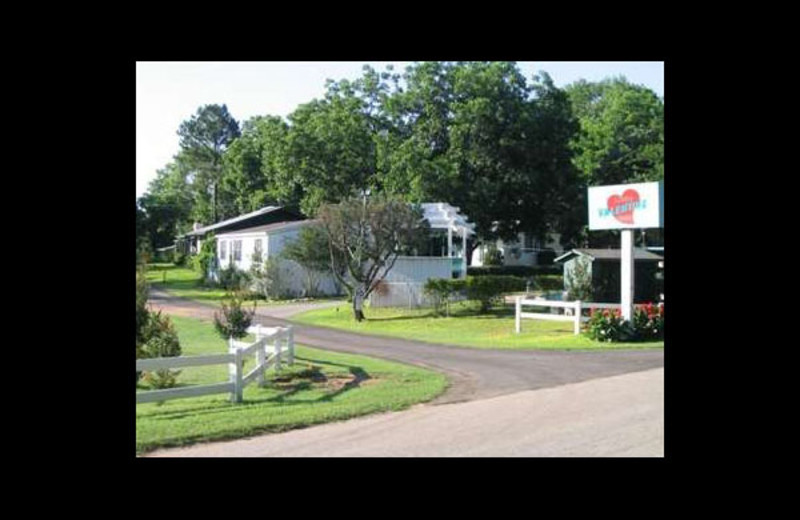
514,270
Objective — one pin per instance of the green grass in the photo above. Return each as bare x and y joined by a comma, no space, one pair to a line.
320,387
186,283
464,327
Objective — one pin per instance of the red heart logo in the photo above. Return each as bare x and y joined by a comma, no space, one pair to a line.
622,207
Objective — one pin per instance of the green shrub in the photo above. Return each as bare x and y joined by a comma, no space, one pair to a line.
648,322
233,279
161,340
179,258
142,314
578,281
270,279
206,259
233,320
548,282
489,288
493,256
441,290
524,271
609,326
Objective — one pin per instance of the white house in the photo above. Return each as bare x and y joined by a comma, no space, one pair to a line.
241,247
526,250
442,256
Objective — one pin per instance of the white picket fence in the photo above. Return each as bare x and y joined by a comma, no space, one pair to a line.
268,350
573,311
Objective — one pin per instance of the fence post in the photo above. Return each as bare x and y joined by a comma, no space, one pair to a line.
235,372
578,312
277,353
517,317
261,355
290,344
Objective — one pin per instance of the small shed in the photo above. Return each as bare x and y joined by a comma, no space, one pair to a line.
604,268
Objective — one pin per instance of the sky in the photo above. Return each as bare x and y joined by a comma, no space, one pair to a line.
168,93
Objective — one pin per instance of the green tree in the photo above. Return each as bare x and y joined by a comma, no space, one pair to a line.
203,140
367,235
622,131
311,251
167,205
479,136
251,163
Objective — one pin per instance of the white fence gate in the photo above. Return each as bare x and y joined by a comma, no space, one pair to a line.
573,311
268,350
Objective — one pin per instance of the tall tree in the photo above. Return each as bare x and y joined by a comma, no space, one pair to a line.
203,141
478,136
621,139
250,164
367,235
167,205
622,131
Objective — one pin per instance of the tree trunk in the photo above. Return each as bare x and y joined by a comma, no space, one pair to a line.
358,301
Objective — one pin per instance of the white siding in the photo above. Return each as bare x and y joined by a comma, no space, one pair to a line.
420,268
404,283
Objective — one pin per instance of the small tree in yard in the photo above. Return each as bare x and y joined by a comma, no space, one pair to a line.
161,340
579,281
365,236
233,320
310,251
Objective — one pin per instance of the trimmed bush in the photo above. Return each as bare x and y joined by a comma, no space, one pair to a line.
548,282
441,291
489,288
515,270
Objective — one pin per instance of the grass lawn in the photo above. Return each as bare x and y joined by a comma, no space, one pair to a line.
320,387
464,327
185,283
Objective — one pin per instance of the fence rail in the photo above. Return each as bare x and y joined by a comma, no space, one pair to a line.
575,316
268,349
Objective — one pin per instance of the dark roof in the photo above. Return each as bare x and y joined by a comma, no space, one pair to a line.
277,226
608,254
263,216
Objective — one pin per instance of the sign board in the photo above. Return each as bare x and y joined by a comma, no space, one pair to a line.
627,206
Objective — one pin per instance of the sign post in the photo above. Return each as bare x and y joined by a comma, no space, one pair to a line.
627,207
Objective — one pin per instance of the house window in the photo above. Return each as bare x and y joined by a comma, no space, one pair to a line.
529,243
257,250
223,249
237,250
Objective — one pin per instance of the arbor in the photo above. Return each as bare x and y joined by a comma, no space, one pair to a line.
203,141
365,236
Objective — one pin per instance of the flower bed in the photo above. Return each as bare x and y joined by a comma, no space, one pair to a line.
609,326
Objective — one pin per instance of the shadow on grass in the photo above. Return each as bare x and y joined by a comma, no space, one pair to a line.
358,373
